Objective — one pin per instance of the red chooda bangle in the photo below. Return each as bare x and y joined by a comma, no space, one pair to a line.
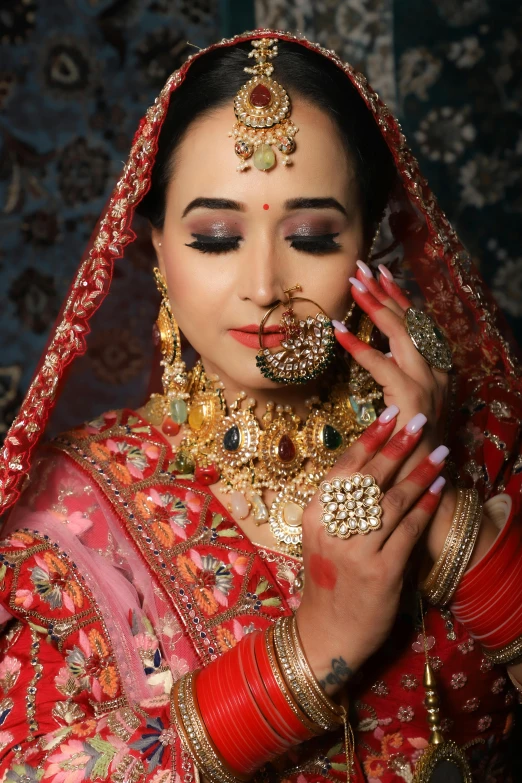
488,601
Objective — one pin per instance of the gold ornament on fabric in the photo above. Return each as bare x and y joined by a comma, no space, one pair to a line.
262,108
428,339
350,505
307,347
442,760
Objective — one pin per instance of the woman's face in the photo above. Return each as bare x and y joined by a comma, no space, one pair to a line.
232,242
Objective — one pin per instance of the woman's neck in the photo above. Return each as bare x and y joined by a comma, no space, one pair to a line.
294,395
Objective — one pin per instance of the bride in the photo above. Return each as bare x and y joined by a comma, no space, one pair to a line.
261,569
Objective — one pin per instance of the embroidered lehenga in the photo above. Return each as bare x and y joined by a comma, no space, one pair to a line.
118,577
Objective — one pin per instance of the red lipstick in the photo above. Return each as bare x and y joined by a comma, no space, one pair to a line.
248,336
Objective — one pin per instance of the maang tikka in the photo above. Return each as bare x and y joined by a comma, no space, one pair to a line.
262,108
307,347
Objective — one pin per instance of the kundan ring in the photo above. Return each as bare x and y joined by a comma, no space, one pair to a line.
428,339
350,505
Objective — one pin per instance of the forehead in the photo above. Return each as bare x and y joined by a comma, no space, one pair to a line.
205,162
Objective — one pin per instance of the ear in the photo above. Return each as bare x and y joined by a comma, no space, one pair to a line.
157,243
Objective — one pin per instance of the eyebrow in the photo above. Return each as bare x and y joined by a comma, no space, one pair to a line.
315,203
213,203
291,205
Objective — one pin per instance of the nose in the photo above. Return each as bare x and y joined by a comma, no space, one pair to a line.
260,277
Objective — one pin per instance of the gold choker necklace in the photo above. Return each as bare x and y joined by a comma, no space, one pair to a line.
279,452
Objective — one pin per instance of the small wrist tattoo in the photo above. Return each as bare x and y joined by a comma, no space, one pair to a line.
340,674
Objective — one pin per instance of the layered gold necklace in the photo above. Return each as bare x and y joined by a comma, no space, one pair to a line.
278,452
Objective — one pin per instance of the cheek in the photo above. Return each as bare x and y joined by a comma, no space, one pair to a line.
194,292
330,288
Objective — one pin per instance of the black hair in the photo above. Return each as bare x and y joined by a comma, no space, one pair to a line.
213,80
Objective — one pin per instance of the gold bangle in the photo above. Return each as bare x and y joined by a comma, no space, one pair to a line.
434,585
465,543
301,681
185,714
285,690
506,654
444,578
327,703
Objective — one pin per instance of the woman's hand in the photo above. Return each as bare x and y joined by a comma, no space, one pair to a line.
407,379
353,586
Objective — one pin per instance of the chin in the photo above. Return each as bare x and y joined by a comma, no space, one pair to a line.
239,369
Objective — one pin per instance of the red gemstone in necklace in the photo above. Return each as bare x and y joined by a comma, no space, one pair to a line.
260,96
286,449
208,475
170,427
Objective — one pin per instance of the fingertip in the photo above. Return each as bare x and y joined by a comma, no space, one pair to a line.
437,486
358,285
339,326
438,455
385,272
389,414
365,269
416,424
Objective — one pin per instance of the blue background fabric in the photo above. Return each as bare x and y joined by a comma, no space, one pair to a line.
76,76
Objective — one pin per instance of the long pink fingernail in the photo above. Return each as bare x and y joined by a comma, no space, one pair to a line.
339,326
358,285
365,269
439,455
416,424
385,271
437,485
388,414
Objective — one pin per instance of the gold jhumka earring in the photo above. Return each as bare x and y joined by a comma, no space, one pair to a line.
170,408
307,347
262,109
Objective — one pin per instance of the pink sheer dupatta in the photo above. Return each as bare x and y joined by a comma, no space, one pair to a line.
61,503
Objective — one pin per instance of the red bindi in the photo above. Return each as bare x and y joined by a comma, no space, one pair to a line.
266,206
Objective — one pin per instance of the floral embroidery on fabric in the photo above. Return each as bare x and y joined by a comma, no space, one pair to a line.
47,588
212,578
154,742
92,660
199,554
53,583
9,672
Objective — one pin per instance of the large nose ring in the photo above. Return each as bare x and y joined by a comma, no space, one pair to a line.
307,346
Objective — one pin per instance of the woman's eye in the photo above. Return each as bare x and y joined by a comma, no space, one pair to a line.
210,244
322,243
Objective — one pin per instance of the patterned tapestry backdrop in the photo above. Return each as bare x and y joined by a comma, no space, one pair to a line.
76,75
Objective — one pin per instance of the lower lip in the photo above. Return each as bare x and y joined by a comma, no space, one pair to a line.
251,340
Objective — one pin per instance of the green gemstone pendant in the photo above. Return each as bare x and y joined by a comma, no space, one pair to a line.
178,411
264,157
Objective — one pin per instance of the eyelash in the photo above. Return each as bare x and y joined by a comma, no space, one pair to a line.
317,245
